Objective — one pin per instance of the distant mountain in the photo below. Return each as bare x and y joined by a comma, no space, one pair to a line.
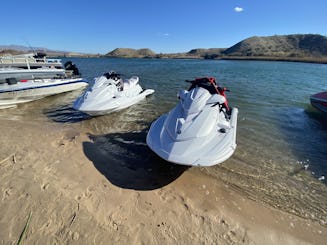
4,52
301,45
25,49
148,53
297,47
20,49
131,53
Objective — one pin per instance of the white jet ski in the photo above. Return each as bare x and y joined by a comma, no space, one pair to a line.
110,93
200,130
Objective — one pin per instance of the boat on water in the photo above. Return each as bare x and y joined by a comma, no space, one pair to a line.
29,77
200,130
31,66
319,101
109,93
15,91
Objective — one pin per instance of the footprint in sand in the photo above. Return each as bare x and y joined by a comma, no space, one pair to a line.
7,193
166,195
78,198
75,236
113,224
45,186
87,194
47,226
48,169
66,139
169,196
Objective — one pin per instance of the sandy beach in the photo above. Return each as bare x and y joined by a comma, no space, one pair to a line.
54,175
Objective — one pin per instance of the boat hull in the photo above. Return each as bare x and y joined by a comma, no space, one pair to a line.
11,95
21,74
319,101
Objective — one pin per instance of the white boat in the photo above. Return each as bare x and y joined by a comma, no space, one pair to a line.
200,130
109,93
30,66
14,92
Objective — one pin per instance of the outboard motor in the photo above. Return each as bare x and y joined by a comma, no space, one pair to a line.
70,66
40,57
11,80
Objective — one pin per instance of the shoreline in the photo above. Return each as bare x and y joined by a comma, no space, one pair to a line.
52,173
242,58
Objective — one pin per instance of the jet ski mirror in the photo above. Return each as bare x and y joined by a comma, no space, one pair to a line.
216,99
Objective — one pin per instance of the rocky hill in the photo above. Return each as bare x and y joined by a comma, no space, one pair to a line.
210,53
301,45
131,53
199,53
298,47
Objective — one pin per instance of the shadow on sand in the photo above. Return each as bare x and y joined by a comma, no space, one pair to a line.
64,114
127,162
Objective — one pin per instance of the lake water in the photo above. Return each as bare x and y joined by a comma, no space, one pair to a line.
282,140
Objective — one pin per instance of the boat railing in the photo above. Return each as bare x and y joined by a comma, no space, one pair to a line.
28,61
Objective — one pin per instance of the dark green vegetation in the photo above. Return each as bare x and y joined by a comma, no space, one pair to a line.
299,47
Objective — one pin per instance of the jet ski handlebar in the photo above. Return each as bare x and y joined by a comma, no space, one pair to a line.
224,89
112,75
205,82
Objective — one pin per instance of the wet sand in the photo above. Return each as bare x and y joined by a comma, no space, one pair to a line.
78,192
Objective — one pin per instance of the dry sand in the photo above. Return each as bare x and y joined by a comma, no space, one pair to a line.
51,173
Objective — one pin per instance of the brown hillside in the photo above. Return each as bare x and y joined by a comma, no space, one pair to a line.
301,45
131,53
210,53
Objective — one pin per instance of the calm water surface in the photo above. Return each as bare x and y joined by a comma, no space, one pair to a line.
281,139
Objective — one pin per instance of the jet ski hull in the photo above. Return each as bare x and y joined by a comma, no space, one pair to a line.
112,104
109,93
202,151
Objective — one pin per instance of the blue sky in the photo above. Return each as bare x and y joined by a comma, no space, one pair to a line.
167,26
